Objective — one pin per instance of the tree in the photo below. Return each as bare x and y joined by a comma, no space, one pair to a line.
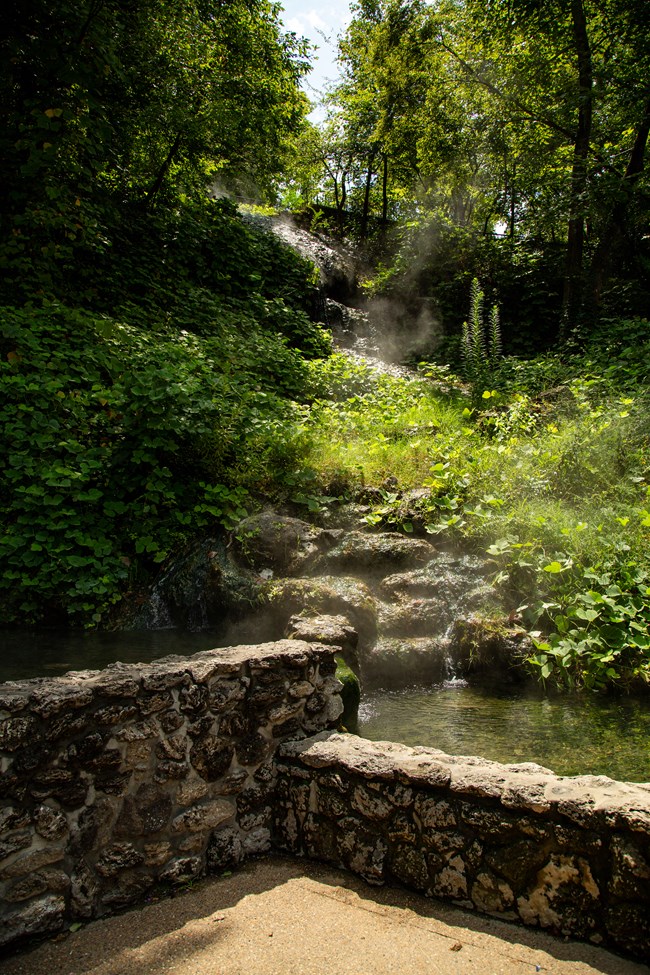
561,69
113,101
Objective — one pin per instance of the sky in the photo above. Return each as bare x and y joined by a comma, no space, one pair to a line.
320,24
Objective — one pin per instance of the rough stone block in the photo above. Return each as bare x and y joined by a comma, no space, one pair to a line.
49,823
15,733
120,856
58,695
152,703
139,731
114,714
205,816
38,917
492,895
563,896
147,811
31,862
155,854
91,830
40,882
14,842
253,749
182,869
173,748
232,783
125,890
170,721
410,867
518,861
224,849
211,758
191,792
193,699
256,842
371,806
83,891
11,818
434,813
171,771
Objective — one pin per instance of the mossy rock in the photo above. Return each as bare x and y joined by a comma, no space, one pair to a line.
350,693
325,595
486,646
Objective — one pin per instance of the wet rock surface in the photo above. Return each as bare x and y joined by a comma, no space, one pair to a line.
284,545
400,609
375,553
345,597
337,264
395,661
334,631
203,585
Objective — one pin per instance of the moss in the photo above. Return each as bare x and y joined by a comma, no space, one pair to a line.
350,693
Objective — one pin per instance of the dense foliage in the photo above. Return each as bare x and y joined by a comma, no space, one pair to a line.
152,342
125,432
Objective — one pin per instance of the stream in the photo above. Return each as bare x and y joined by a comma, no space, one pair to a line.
570,734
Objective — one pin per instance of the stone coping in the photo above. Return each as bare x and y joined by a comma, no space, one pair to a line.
588,800
77,687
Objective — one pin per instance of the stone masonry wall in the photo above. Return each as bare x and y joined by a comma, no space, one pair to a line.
115,780
568,854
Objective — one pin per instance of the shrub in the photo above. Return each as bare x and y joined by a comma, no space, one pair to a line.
118,443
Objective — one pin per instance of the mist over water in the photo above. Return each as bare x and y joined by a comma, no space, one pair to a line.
398,333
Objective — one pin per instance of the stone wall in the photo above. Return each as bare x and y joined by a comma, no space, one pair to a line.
116,780
568,854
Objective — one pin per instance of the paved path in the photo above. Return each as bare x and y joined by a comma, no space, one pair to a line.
281,916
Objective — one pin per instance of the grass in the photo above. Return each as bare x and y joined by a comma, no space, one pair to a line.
554,490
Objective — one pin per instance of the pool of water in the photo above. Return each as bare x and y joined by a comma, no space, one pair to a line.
48,653
570,734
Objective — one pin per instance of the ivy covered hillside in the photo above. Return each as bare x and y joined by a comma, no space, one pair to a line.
153,344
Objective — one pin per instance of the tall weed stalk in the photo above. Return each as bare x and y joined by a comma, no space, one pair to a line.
481,342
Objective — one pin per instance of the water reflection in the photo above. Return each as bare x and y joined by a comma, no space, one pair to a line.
572,735
44,653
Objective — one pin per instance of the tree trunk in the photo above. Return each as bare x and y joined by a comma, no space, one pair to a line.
366,196
93,11
613,233
344,196
579,174
513,203
384,192
155,187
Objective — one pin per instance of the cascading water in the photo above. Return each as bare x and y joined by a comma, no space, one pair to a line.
419,611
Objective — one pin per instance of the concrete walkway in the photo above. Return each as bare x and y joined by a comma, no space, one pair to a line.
282,916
